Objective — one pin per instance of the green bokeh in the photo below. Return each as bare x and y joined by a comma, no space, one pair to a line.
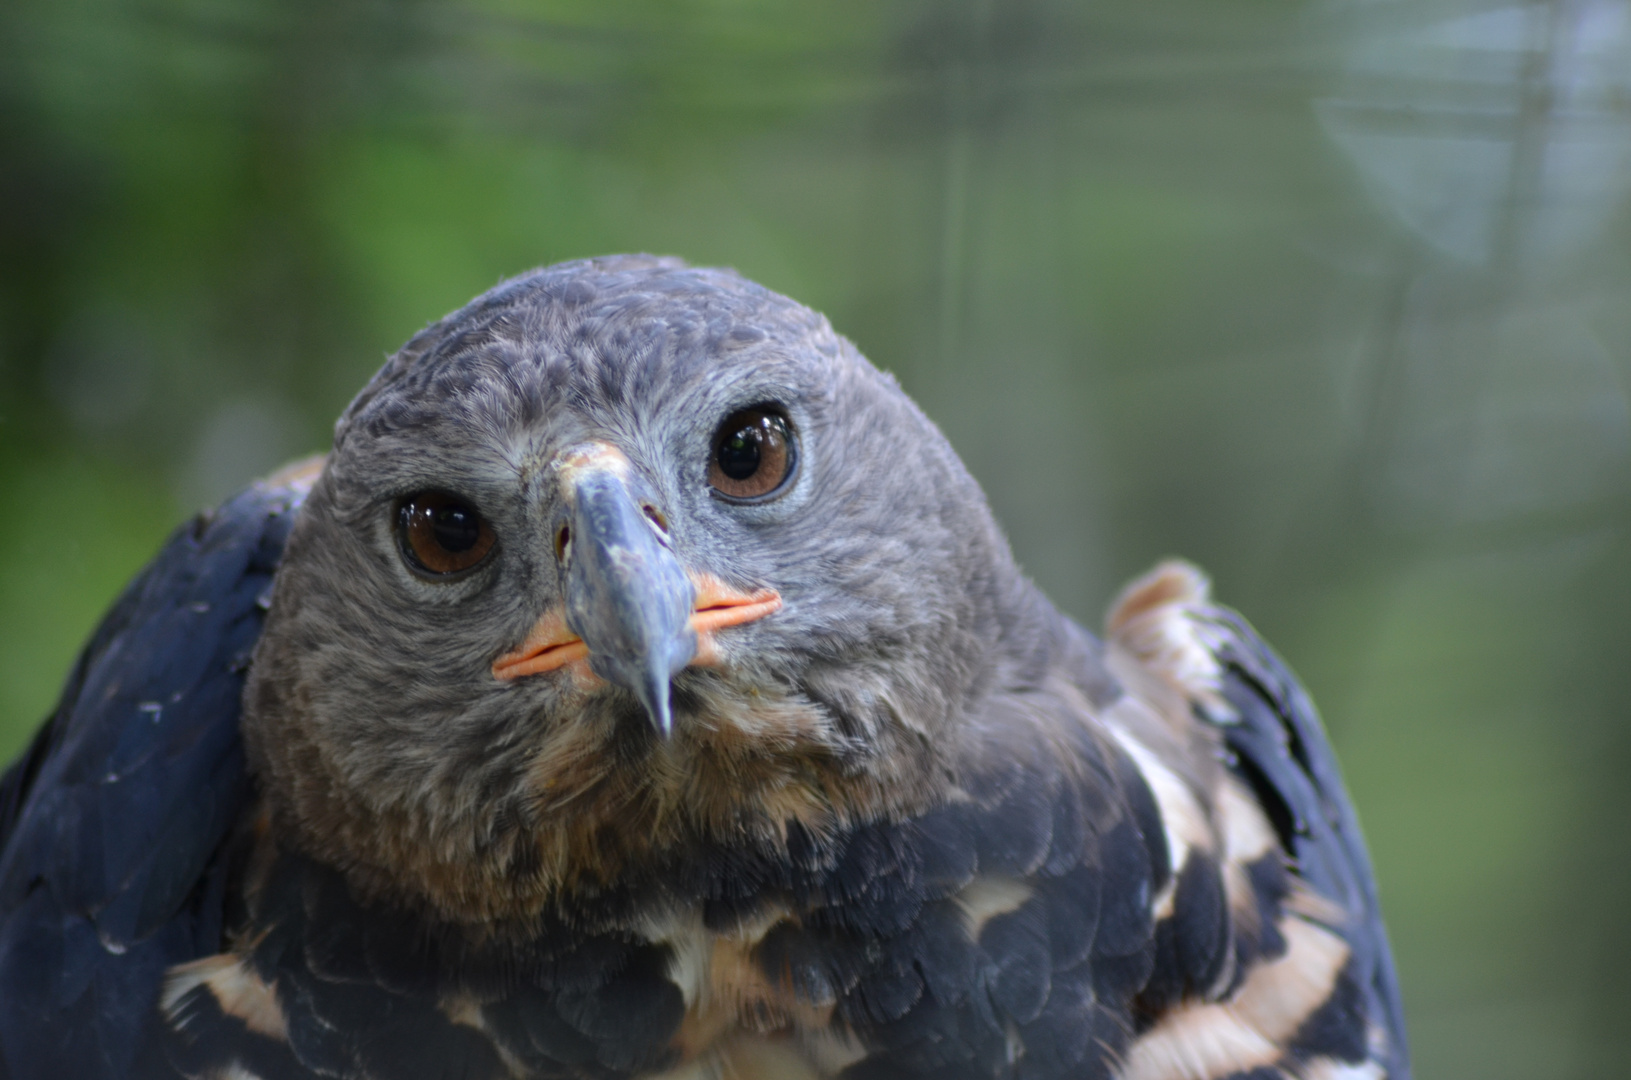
1178,278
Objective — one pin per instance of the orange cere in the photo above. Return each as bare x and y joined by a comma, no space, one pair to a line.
550,645
718,606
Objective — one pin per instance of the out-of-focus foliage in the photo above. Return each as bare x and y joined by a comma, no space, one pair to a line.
1332,298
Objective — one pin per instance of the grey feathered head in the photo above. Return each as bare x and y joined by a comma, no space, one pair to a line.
623,556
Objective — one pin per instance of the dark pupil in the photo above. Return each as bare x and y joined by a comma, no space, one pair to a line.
455,527
739,453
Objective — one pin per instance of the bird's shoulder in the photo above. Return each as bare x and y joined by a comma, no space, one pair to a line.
113,822
1268,946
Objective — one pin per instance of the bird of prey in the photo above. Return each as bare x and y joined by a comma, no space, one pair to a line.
641,688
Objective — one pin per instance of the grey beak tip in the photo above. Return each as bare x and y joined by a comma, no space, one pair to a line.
654,696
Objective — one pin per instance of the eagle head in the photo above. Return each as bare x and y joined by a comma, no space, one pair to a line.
622,558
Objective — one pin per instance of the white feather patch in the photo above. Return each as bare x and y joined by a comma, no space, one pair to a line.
1207,1041
1159,618
832,1049
983,899
692,946
1247,834
691,951
1183,819
237,990
1331,1069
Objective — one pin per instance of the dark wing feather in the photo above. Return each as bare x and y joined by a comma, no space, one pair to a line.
1281,749
113,823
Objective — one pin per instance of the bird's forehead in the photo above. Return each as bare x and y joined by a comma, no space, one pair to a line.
580,346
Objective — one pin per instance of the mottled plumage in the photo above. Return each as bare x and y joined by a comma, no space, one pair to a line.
660,775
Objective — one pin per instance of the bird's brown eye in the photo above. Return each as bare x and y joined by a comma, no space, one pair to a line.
752,456
443,534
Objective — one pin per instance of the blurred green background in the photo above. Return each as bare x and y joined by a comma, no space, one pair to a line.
1332,298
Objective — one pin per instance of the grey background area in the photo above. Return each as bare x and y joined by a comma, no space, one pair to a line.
1333,298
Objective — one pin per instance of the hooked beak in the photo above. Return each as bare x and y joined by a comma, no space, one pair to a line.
627,597
631,608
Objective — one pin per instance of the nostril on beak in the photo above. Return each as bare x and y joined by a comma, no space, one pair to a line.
563,543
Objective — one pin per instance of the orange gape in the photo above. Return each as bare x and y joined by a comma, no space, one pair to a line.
550,645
